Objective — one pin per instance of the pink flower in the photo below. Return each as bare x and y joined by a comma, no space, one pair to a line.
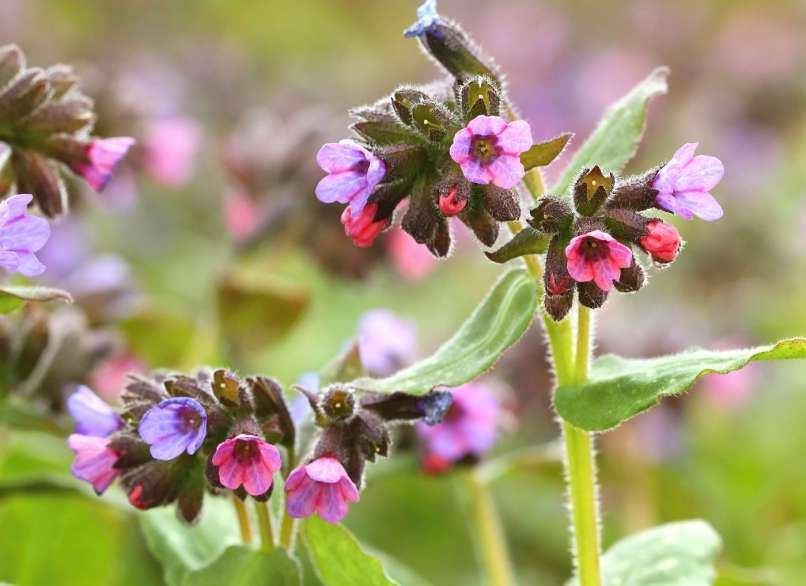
112,374
95,461
170,150
102,156
362,229
469,428
598,257
21,236
449,204
662,242
411,260
240,215
322,486
248,460
489,149
353,172
386,343
684,182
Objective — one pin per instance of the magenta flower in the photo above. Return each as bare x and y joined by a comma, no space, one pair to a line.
353,172
102,156
386,343
489,149
21,236
321,487
469,428
247,460
95,461
92,414
684,182
174,426
598,257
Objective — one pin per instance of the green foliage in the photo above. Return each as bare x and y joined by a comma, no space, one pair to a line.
495,325
615,139
245,566
339,558
669,555
543,153
527,241
620,388
12,297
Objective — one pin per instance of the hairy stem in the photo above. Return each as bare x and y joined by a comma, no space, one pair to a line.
265,525
287,528
488,534
243,519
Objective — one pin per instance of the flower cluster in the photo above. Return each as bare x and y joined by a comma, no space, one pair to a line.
592,245
45,121
177,437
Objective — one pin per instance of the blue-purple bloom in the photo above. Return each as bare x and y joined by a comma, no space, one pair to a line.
21,236
93,415
684,183
174,426
353,173
386,343
427,16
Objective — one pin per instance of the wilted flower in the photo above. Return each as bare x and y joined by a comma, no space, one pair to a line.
663,241
21,235
174,426
684,182
94,462
93,415
247,460
353,173
598,257
386,342
101,158
322,487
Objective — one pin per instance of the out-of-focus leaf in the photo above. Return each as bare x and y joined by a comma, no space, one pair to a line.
615,139
12,297
527,241
181,549
544,153
620,388
245,566
346,366
497,323
669,555
338,557
159,337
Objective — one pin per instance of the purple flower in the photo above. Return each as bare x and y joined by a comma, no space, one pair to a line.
21,236
323,487
174,426
247,460
102,156
353,172
684,182
95,461
427,16
386,343
469,428
93,415
489,149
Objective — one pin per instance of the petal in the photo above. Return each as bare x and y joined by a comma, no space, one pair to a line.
197,439
684,154
301,502
24,233
270,456
475,172
701,204
93,416
329,504
29,266
224,451
326,469
170,446
487,125
257,478
297,477
620,254
231,473
340,187
460,148
669,202
375,172
14,206
516,138
358,201
604,273
348,490
336,157
506,171
701,174
9,260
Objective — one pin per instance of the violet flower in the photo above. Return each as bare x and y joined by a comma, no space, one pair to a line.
94,462
597,256
247,460
93,415
386,343
102,156
21,235
427,16
321,487
174,426
353,172
684,182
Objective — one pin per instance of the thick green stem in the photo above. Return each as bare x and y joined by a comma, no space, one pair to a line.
243,519
265,524
488,534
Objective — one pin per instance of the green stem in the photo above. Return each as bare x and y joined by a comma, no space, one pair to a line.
243,519
265,525
287,528
488,534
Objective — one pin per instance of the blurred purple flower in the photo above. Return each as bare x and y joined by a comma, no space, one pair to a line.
247,460
103,155
353,172
170,150
21,236
427,16
174,426
684,182
659,435
488,150
321,487
386,342
93,415
94,462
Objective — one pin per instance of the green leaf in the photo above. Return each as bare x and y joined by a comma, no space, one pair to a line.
544,153
527,241
244,566
13,297
620,388
675,554
338,557
615,139
496,324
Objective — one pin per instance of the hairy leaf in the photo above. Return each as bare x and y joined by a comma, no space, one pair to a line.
527,241
544,153
244,566
13,297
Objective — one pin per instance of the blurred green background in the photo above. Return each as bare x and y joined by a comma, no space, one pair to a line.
732,451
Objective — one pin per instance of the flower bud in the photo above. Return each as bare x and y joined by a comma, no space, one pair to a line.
479,97
338,403
631,279
635,193
558,284
552,214
625,224
362,229
662,241
404,100
450,204
37,176
591,190
590,295
432,120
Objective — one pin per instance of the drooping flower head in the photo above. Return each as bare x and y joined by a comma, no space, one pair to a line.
101,158
386,342
21,235
322,487
361,228
353,173
247,460
663,241
469,428
174,426
94,462
488,150
683,184
93,415
598,257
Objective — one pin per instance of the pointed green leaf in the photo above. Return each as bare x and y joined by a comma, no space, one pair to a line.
13,297
615,139
544,153
527,241
620,388
245,566
675,554
338,557
497,323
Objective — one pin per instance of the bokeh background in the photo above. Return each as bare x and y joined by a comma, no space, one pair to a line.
209,247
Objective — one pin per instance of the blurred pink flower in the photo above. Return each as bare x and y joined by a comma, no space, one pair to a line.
240,215
411,260
171,146
732,391
111,375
